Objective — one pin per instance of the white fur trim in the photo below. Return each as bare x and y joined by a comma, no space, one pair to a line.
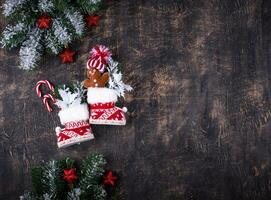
101,95
75,113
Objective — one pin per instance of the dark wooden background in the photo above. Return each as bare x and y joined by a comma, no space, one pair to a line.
199,121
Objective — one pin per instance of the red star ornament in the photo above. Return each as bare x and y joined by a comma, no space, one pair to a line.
44,21
67,56
92,20
70,175
109,179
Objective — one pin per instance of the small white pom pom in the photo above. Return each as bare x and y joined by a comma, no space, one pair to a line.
124,109
58,130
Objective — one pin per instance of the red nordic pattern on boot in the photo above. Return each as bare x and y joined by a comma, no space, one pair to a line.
77,125
73,133
106,113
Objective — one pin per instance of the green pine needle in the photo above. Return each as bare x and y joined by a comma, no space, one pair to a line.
48,182
67,25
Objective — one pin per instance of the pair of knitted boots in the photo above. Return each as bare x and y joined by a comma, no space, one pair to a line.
77,120
104,86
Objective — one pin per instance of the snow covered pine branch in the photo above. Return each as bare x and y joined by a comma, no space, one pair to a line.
38,26
63,180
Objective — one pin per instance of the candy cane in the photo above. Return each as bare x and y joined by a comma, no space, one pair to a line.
46,97
39,83
45,100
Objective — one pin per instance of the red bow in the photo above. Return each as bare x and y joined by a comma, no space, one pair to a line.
70,175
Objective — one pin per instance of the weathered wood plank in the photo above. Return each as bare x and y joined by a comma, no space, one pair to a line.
199,122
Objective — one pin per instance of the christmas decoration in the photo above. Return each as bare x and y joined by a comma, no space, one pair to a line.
43,82
38,26
105,86
92,20
100,55
44,22
70,175
73,112
67,56
109,179
46,97
58,180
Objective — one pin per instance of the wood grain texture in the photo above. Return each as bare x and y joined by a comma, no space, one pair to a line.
199,121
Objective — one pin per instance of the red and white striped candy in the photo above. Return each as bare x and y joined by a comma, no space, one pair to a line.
93,63
100,55
45,99
39,83
101,52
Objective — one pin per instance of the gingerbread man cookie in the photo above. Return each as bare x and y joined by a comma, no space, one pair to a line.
96,78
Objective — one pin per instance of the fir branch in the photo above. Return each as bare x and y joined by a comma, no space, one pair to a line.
61,32
46,196
28,196
45,6
89,6
11,6
12,36
74,194
49,183
24,33
27,14
91,173
68,163
36,174
31,49
52,178
92,167
76,20
61,5
51,43
98,192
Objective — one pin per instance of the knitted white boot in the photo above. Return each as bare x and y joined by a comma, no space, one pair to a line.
77,128
102,107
